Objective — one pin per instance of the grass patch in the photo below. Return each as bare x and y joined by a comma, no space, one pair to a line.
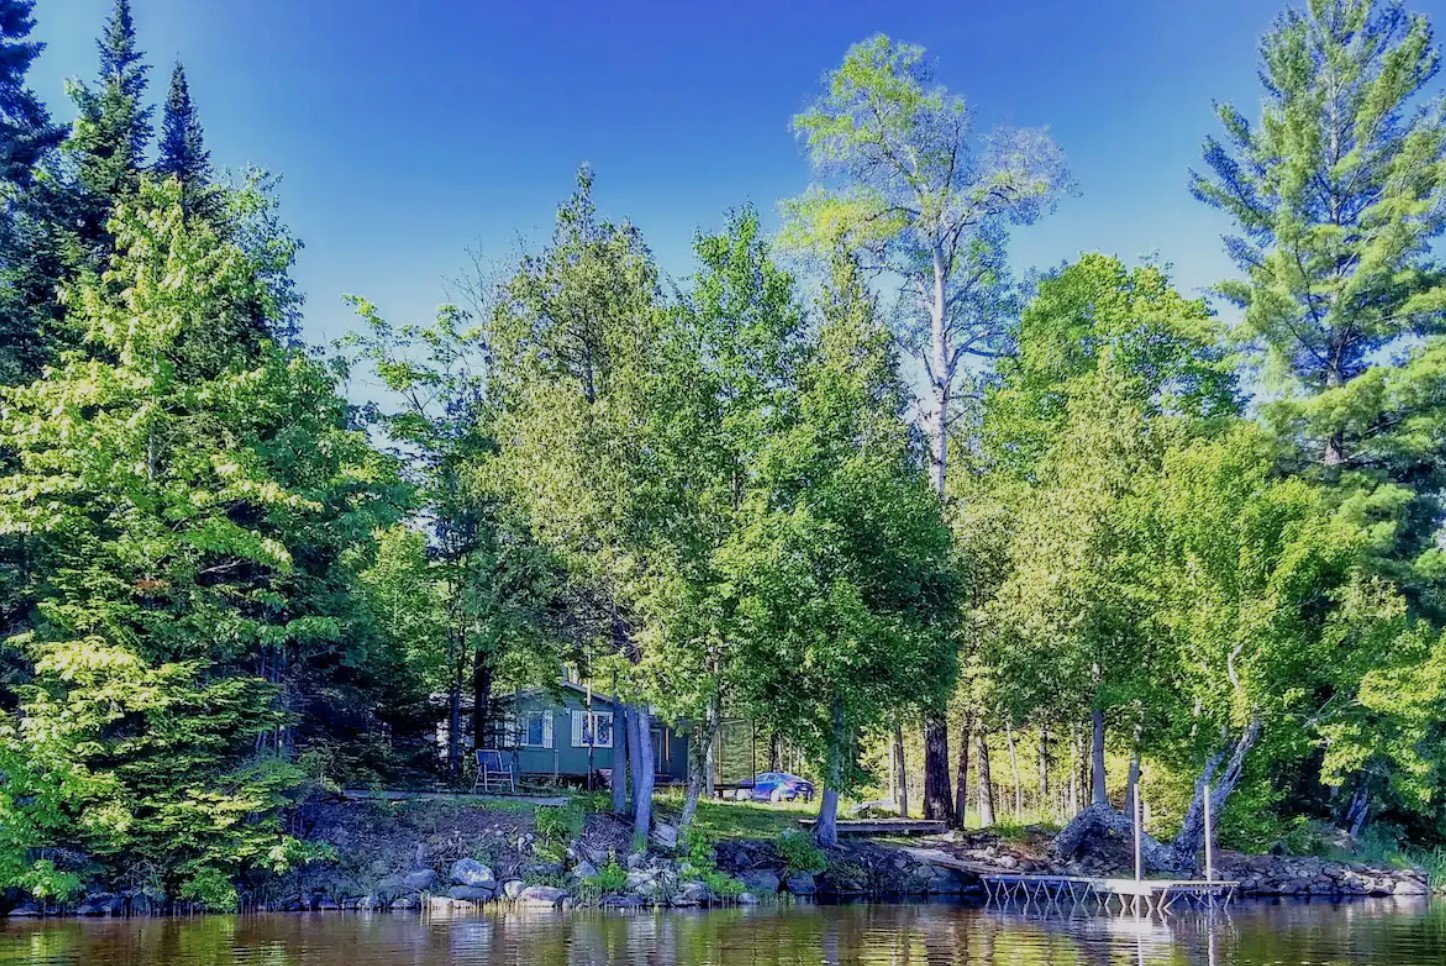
750,820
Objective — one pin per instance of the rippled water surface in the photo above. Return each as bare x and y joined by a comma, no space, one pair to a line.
1393,932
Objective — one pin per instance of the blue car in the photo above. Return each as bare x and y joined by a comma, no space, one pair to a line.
778,786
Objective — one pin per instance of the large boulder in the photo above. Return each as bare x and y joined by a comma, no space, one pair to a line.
759,880
419,880
584,870
390,887
470,872
801,884
466,893
512,888
665,835
542,896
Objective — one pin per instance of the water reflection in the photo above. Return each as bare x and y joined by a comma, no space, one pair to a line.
1398,932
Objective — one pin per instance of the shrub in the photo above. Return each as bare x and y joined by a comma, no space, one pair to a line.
799,853
611,880
213,889
722,885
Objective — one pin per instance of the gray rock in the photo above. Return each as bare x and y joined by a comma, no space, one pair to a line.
406,902
102,904
584,870
419,880
542,896
512,888
465,893
390,887
801,884
641,883
665,835
691,893
759,880
25,910
622,902
746,899
470,872
545,868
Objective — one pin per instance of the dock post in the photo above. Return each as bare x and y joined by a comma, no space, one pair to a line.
1209,845
1139,865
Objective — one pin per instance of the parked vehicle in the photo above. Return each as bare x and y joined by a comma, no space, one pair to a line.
779,786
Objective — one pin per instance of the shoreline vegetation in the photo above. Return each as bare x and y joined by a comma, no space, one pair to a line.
955,540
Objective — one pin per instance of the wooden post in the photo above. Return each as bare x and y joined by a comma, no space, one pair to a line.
1139,865
1209,846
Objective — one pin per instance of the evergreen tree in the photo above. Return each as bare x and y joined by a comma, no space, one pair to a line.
1337,195
26,133
183,153
112,127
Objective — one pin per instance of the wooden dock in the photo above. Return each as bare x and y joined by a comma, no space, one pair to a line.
885,826
1133,895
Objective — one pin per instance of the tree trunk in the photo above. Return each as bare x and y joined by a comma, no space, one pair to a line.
1045,807
1014,769
1099,793
825,829
775,762
454,716
1074,770
1358,812
482,736
986,781
961,775
1132,786
901,768
938,791
641,744
1191,837
700,764
622,738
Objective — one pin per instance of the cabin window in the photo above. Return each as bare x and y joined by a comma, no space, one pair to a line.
593,729
536,729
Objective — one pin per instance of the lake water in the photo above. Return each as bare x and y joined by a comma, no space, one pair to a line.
1378,931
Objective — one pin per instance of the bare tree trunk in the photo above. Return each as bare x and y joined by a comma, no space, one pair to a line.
482,736
1191,837
825,829
986,782
454,716
1133,784
961,775
1045,807
700,764
1358,812
901,766
775,761
938,791
1074,770
641,744
1014,769
622,738
1099,793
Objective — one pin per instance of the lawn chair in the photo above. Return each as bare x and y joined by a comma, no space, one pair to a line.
494,773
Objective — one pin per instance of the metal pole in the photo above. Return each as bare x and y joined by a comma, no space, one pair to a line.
1209,846
1139,866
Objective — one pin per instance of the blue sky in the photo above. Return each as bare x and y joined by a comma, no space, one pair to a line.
409,132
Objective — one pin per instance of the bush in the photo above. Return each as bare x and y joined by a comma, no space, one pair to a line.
799,853
213,889
722,885
555,823
611,880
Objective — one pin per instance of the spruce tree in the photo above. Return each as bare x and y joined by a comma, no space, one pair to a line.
183,153
1337,195
26,133
112,126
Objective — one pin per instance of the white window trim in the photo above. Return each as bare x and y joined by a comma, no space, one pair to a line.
579,724
523,729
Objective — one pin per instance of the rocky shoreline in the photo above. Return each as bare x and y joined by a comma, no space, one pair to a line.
433,860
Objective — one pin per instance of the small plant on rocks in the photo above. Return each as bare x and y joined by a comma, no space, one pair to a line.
800,854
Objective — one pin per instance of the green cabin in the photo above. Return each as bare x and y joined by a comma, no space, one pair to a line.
549,730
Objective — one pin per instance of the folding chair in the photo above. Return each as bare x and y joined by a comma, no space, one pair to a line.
493,772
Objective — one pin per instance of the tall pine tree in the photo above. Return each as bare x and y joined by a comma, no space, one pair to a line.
1337,195
183,153
112,128
26,133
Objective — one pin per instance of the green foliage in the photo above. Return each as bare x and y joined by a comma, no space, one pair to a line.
799,853
611,880
212,889
556,826
722,885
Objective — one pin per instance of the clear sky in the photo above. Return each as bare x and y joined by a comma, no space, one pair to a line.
408,131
